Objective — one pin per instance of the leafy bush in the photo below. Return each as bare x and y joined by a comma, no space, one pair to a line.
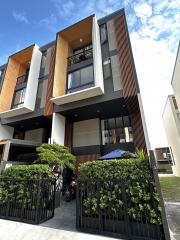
109,178
19,184
34,171
114,169
54,154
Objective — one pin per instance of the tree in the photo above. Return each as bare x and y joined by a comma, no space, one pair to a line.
55,155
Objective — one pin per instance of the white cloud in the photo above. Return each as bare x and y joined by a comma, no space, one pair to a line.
143,11
21,17
3,58
64,8
50,22
154,64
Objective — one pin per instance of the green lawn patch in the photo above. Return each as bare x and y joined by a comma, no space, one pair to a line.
170,187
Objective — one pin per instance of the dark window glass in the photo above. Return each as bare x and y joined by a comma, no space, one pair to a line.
19,97
103,33
107,68
114,130
1,77
43,64
80,79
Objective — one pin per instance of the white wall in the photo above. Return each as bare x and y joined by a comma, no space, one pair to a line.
97,58
32,84
144,123
176,79
35,135
6,132
58,128
86,133
172,129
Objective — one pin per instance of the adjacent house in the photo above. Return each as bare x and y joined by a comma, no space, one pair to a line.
80,90
171,117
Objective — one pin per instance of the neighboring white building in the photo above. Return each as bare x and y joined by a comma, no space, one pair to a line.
171,117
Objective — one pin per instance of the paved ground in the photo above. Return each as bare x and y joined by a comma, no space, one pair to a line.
170,190
61,227
173,216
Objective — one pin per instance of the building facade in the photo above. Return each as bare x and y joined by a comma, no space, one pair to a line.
80,90
171,117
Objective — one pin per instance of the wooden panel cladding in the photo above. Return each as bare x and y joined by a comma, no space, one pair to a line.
82,29
48,109
60,72
23,56
129,79
68,135
9,84
85,158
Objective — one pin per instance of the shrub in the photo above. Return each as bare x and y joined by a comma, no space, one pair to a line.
34,171
106,180
54,154
114,169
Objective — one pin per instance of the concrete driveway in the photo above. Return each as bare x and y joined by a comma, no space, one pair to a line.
61,227
173,217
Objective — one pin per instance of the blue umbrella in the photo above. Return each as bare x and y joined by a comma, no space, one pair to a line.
118,153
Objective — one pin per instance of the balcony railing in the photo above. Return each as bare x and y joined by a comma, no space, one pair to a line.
79,57
22,79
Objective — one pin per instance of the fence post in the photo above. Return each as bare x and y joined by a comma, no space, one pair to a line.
38,200
77,205
54,195
156,179
124,198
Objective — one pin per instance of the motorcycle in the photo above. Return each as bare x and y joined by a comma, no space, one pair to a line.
70,192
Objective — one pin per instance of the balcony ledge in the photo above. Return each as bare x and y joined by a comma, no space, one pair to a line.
79,95
15,112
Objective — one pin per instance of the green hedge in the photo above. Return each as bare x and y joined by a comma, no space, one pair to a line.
18,184
113,169
34,171
137,178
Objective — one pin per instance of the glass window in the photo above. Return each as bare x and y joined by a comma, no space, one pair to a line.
114,130
107,68
1,77
19,97
80,79
103,33
43,64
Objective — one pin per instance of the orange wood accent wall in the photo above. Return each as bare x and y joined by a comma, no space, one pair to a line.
60,71
48,109
68,135
9,84
129,79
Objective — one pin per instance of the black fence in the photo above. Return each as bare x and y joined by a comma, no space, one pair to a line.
79,57
110,208
30,201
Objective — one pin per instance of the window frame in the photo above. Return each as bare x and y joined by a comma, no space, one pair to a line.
106,33
13,106
82,85
109,134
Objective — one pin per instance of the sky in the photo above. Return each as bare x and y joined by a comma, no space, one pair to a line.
154,32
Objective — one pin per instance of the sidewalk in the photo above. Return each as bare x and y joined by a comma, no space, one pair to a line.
22,231
61,227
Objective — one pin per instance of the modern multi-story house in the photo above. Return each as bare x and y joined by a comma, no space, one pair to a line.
80,90
171,117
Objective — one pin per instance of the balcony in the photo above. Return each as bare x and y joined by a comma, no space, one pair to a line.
18,93
77,48
85,54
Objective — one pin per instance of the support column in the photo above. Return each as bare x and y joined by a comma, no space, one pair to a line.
5,155
58,129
